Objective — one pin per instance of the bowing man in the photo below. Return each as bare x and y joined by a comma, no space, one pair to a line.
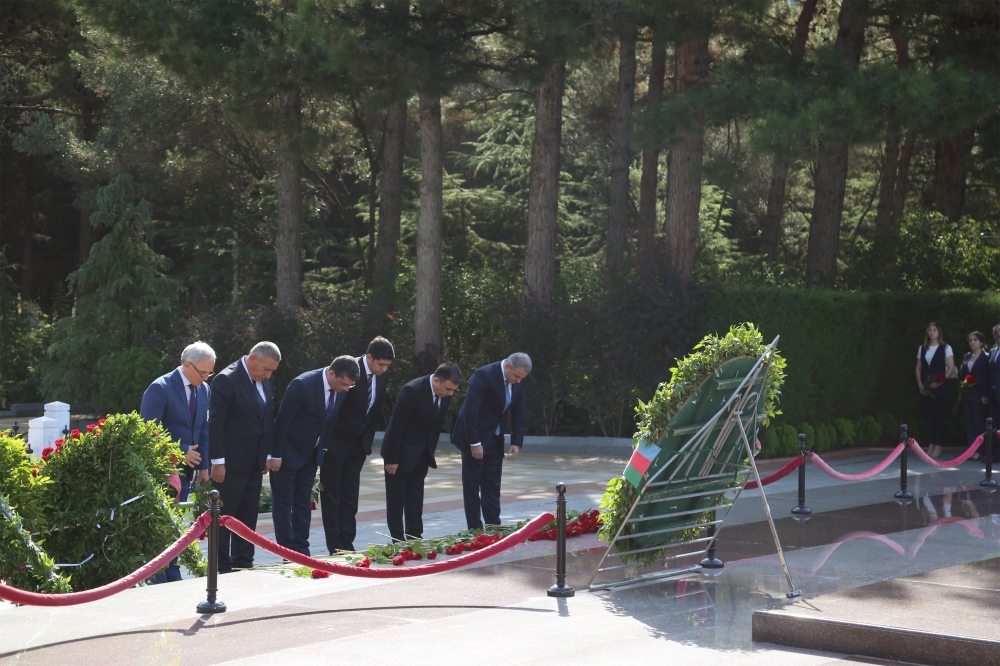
302,433
179,402
495,394
351,443
409,445
239,433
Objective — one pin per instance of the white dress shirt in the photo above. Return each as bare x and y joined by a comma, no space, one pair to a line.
371,383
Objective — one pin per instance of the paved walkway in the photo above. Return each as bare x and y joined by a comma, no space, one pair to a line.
498,610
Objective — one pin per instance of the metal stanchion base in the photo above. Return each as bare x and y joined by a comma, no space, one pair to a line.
712,563
793,594
561,591
903,494
802,510
988,483
211,607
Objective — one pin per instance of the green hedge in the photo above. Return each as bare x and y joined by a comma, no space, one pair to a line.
852,354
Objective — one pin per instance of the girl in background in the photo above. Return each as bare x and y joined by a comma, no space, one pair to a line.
975,373
935,363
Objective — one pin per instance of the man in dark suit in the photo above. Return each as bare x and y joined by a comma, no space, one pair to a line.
179,402
409,445
302,433
993,392
495,391
351,443
239,430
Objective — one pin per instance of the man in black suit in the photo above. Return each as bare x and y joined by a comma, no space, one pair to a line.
409,445
302,433
351,443
993,391
495,391
241,422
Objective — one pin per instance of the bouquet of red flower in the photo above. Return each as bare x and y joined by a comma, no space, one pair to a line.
965,387
933,379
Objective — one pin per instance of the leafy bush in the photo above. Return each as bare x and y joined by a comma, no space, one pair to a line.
123,378
788,438
845,433
889,426
23,563
770,446
810,433
867,432
20,479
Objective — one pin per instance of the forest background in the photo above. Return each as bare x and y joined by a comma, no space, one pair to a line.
596,182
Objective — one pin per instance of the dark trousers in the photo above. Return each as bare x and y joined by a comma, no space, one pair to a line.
291,493
975,420
240,495
404,497
341,479
935,419
481,484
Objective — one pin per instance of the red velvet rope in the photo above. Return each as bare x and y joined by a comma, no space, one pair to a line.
236,527
789,467
840,476
142,573
969,452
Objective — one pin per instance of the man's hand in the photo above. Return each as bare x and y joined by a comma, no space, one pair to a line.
512,453
391,469
218,473
274,464
202,476
477,451
192,457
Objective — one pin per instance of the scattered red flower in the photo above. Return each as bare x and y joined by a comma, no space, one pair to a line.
432,555
319,573
364,563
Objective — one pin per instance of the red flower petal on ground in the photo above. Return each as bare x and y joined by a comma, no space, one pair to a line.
432,555
364,563
74,433
399,560
319,573
594,513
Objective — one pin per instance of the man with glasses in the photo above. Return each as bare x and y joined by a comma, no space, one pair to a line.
179,402
495,395
302,432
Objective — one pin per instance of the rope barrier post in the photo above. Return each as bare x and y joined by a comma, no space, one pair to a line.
903,492
560,589
802,509
711,561
211,605
988,482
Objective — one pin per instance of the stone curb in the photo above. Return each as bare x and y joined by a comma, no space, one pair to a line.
606,447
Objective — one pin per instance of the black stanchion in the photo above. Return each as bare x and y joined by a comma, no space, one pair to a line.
802,509
711,561
560,589
903,492
989,481
211,605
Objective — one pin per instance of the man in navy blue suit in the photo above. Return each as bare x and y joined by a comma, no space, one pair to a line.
302,433
179,402
495,392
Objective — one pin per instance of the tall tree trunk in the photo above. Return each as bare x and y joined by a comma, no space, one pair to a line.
27,261
86,236
621,155
428,307
771,228
951,171
646,234
288,245
684,167
887,186
391,205
831,165
902,178
543,194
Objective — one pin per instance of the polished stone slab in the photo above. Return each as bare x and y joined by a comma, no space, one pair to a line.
946,616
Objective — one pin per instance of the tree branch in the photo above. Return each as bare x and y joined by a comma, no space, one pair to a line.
6,101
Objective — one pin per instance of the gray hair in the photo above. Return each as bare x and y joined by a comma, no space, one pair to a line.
266,350
197,351
519,360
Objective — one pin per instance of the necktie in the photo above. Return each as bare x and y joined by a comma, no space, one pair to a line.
437,402
331,401
371,391
260,399
506,404
193,402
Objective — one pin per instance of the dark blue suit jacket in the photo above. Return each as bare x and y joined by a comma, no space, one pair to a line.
482,410
166,401
994,378
300,420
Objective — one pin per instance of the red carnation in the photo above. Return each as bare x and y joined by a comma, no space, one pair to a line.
399,560
59,442
91,427
101,422
319,573
47,451
432,555
75,434
594,513
970,380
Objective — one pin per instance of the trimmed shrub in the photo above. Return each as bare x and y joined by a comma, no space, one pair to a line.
810,433
770,447
788,436
867,432
845,433
889,427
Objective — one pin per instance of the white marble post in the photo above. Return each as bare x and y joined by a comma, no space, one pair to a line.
43,432
60,412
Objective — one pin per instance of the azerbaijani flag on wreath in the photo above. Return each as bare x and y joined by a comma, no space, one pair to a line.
640,461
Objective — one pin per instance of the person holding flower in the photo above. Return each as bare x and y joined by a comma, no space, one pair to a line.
935,364
974,374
